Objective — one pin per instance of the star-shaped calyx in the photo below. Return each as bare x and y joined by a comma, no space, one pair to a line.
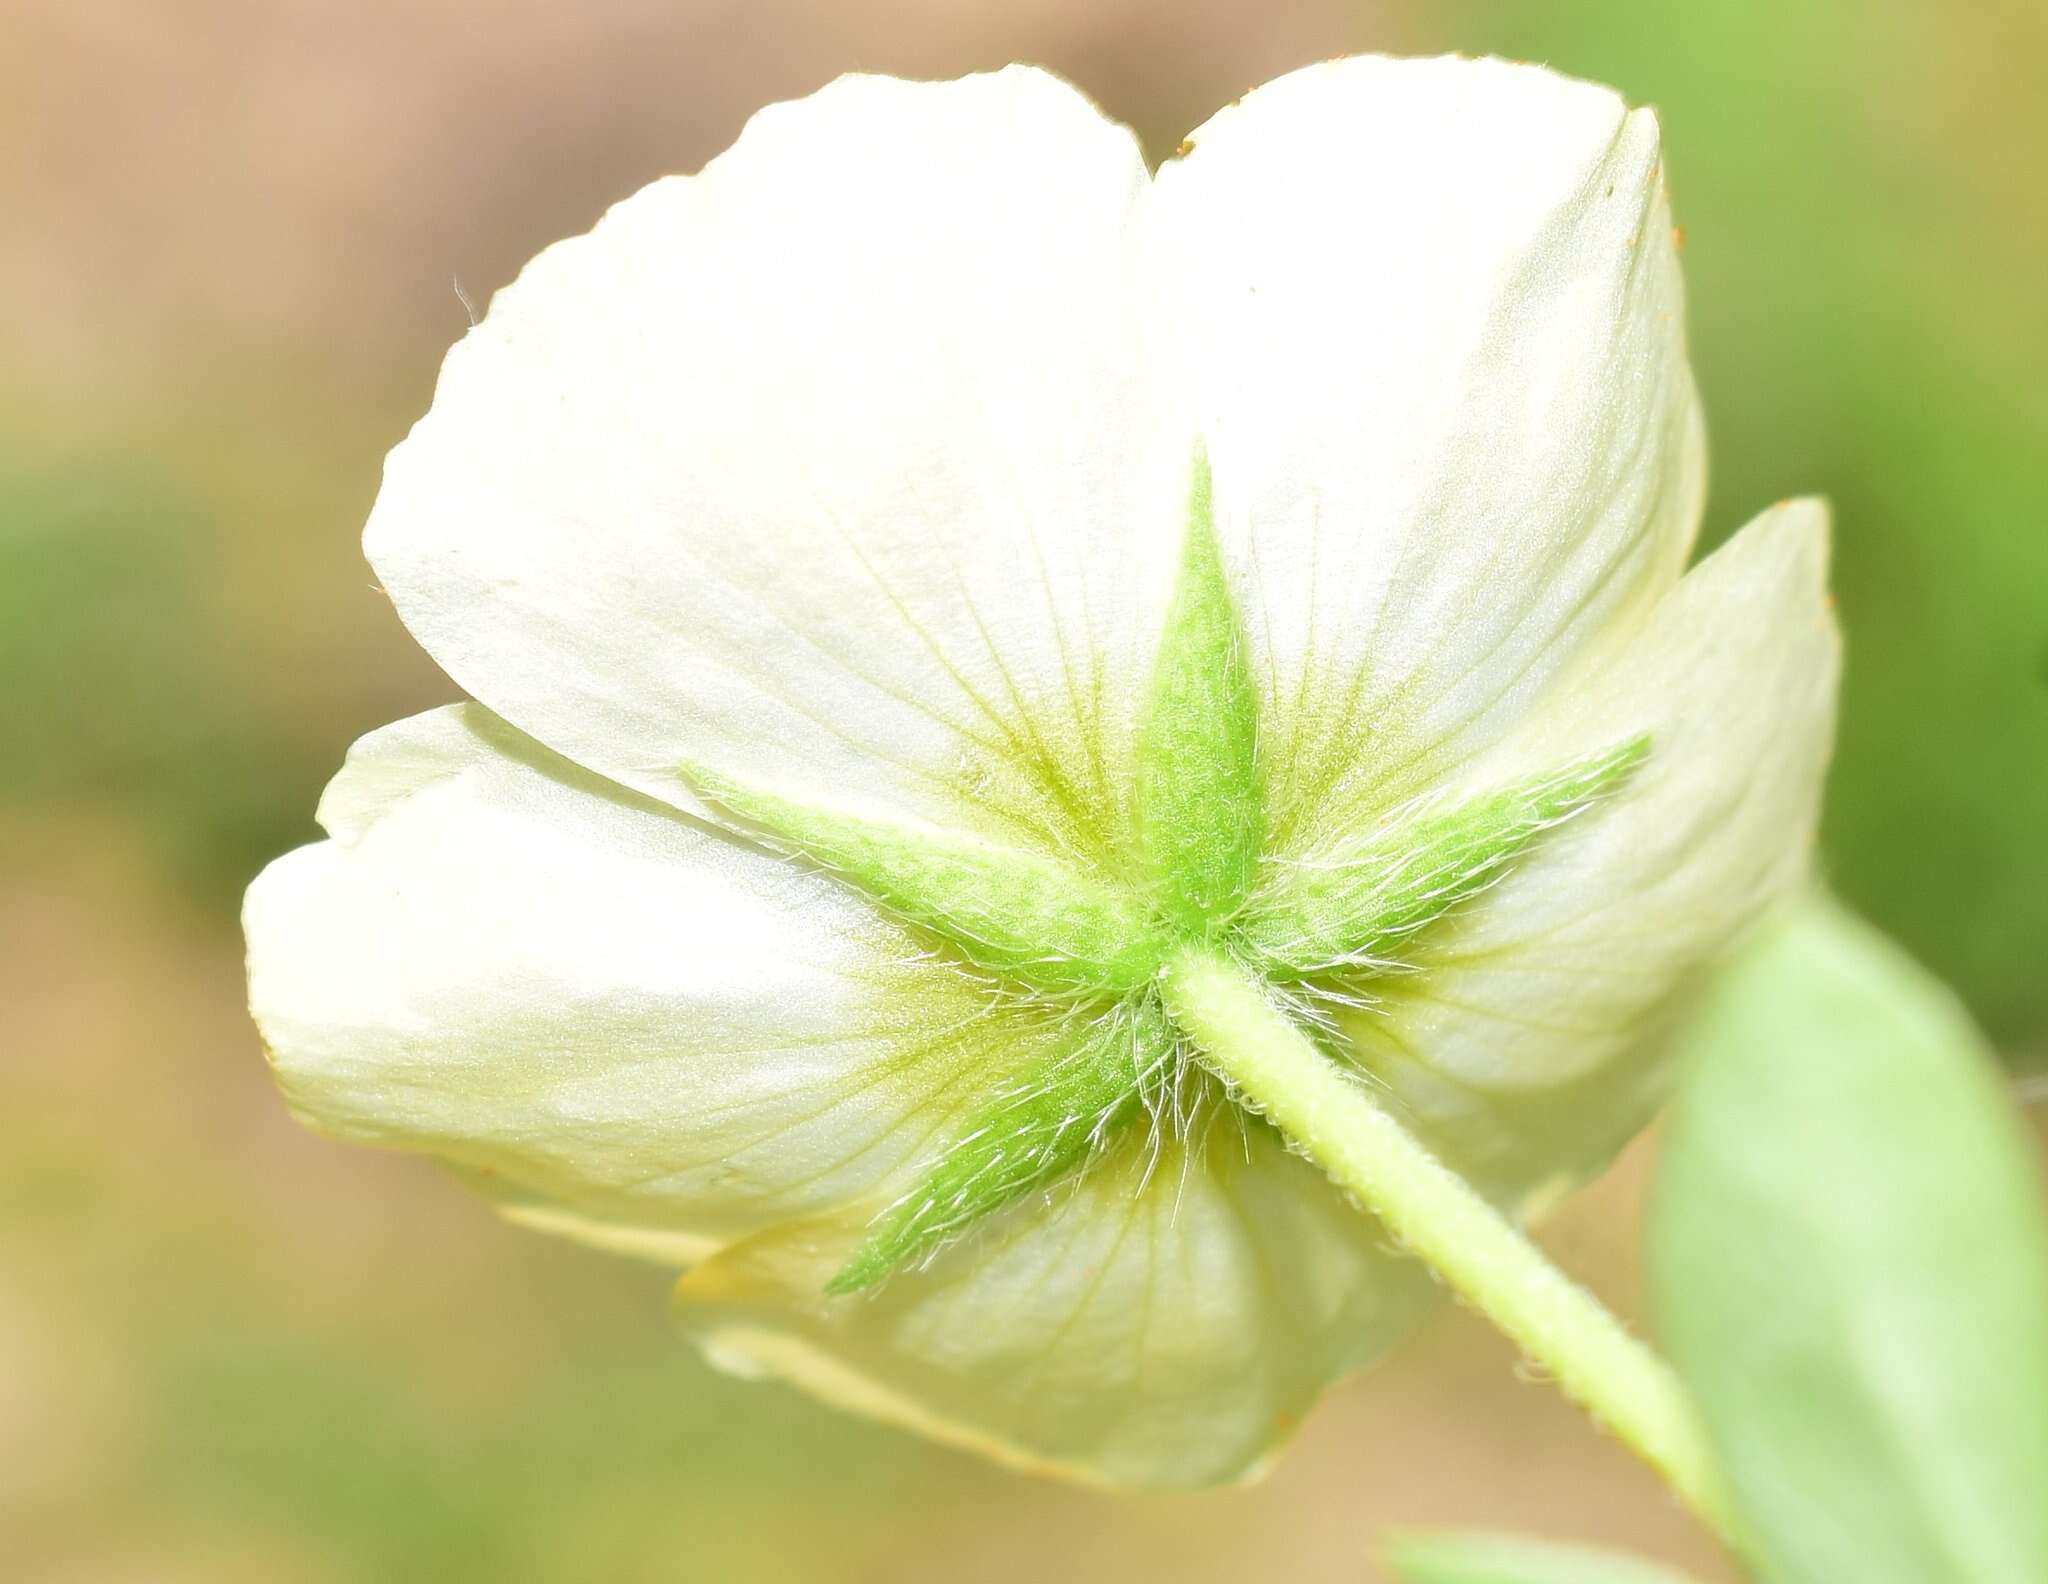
1095,946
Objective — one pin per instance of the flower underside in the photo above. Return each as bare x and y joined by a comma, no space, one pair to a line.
1092,946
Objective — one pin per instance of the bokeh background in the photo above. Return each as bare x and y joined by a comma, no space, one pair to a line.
230,236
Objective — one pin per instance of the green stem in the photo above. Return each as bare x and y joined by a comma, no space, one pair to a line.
1438,1216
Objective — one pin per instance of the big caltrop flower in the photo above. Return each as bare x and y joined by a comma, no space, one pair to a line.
957,625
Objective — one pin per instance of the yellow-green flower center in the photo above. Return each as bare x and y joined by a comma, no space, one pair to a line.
1096,945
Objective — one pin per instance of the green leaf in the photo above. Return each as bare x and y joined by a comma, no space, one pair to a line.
1017,914
1509,1559
1047,1125
1850,1265
1353,911
1201,799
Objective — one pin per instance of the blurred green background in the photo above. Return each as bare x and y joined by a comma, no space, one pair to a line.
229,236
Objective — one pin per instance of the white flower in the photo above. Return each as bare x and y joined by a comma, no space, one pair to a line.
874,690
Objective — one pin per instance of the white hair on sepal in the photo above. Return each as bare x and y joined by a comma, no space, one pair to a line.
1350,909
1017,1145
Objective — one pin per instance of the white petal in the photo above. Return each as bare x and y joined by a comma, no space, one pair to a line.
636,1029
1528,1043
830,469
1162,1321
1433,314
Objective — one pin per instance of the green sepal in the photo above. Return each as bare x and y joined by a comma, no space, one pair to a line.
1017,914
1200,795
1350,912
1045,1126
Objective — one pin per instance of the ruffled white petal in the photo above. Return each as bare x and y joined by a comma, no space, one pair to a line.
632,1027
831,469
1527,1043
628,1028
1432,315
1164,1321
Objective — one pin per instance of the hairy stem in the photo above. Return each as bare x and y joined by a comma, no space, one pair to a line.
1440,1218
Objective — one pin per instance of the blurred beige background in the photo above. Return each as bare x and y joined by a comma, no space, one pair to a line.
230,233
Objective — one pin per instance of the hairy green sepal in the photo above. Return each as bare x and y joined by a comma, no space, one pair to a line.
1042,1128
1097,951
1352,911
1017,914
1200,798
